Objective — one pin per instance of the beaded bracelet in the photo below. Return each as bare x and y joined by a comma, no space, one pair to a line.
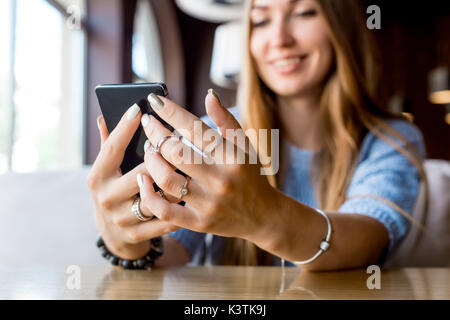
145,262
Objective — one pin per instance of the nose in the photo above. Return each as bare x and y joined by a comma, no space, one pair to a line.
281,33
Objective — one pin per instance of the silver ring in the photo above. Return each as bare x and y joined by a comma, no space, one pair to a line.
137,211
184,189
157,148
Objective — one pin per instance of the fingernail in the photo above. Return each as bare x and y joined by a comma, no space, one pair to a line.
132,112
98,121
146,145
139,180
211,91
155,102
145,120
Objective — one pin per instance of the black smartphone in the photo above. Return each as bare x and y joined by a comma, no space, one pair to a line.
115,99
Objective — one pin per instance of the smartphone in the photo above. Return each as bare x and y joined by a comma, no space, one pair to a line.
115,99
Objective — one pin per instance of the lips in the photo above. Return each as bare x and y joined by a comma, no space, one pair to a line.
282,59
288,64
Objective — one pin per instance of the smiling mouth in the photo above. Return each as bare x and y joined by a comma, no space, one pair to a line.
288,64
288,61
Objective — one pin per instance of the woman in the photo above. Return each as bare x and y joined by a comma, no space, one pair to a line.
309,71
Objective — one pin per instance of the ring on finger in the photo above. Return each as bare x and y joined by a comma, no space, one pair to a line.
184,189
137,211
156,149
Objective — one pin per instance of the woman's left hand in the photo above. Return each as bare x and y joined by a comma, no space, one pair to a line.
227,195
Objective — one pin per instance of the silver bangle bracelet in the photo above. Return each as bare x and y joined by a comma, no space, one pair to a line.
324,245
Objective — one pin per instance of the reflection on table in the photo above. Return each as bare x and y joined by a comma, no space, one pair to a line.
219,282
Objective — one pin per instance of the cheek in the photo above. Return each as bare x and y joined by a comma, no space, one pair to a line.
313,36
324,43
315,39
257,44
326,56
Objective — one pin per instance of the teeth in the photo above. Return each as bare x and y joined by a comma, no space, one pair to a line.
286,62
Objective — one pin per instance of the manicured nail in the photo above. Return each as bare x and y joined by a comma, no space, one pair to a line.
145,120
146,145
211,91
98,121
155,102
139,180
132,112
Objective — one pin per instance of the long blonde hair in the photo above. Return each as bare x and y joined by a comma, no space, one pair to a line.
347,111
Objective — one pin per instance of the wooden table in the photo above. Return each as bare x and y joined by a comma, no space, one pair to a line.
218,282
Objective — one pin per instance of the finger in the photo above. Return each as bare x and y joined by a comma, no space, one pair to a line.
195,131
221,117
113,149
104,134
126,216
163,209
171,182
225,121
149,229
137,230
175,151
126,186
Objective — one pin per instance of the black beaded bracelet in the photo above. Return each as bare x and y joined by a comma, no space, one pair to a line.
145,262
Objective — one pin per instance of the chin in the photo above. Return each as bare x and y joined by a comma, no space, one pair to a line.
288,88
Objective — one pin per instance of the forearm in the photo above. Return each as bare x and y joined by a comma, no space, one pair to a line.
296,230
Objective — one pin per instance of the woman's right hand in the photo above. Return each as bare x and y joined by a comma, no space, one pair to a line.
113,193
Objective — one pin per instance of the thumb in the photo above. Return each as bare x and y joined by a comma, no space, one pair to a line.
221,117
104,134
224,120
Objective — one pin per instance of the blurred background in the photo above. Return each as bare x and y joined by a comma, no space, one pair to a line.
55,52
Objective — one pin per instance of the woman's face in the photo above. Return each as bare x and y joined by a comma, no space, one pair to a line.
290,45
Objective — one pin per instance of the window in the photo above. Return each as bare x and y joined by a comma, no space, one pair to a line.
42,67
147,61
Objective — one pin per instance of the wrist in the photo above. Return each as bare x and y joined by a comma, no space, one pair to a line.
265,226
124,250
292,230
131,251
143,261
